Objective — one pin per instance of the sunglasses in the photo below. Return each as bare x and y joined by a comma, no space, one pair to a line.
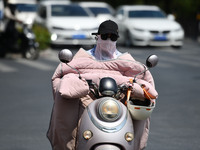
113,37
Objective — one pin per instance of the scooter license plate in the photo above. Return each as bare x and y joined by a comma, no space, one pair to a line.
79,36
160,38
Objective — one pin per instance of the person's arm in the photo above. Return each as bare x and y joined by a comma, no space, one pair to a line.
68,84
9,15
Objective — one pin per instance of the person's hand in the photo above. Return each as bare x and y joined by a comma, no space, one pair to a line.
19,21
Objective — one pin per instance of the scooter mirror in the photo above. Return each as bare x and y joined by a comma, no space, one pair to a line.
65,55
152,61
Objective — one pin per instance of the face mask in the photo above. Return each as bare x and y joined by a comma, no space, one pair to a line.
105,49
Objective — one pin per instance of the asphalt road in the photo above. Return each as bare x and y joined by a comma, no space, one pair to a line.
26,99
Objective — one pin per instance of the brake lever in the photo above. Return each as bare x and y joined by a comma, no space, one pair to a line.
89,82
93,86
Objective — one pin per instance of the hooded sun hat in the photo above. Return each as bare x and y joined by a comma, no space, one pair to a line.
107,26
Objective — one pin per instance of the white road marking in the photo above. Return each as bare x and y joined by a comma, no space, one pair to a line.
6,68
35,64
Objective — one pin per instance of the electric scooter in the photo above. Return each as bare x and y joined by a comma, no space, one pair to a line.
106,123
24,44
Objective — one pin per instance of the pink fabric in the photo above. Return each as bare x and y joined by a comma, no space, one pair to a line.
105,49
78,89
70,91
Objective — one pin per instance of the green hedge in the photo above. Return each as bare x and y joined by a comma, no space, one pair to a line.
42,36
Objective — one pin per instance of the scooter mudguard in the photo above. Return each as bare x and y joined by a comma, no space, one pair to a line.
105,134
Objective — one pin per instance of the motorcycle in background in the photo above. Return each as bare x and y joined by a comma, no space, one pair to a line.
24,44
106,123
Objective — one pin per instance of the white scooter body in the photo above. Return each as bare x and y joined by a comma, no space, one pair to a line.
105,135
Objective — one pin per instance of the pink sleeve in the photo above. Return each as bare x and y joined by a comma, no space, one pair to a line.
72,87
56,78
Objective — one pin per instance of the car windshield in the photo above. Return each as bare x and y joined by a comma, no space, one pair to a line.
99,10
27,7
146,14
68,10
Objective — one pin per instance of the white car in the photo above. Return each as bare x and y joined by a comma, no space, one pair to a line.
142,25
1,9
68,23
1,15
103,11
26,11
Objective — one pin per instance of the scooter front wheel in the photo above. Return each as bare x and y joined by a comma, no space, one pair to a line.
32,53
107,147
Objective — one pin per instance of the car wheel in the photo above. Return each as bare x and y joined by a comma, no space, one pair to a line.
177,47
127,41
2,54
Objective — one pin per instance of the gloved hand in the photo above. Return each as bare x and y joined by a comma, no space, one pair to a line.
149,90
136,90
72,86
141,90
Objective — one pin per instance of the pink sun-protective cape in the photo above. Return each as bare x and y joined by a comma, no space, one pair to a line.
71,95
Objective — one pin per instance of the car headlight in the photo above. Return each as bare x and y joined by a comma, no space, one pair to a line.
178,29
109,110
54,37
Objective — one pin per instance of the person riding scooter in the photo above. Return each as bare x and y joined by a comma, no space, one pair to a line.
10,21
71,93
21,40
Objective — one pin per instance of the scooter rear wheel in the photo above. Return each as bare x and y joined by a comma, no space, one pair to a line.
32,53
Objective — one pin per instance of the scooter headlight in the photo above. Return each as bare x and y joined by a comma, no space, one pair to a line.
109,110
30,36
